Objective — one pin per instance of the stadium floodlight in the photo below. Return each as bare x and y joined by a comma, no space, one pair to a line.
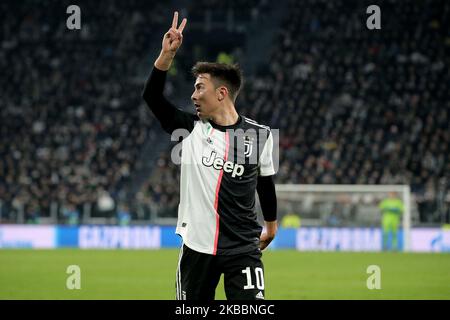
342,205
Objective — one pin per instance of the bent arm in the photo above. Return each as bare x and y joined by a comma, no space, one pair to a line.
168,115
268,200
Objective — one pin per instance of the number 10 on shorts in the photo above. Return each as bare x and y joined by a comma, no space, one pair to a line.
259,278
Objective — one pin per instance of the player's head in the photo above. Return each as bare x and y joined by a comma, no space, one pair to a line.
215,84
392,194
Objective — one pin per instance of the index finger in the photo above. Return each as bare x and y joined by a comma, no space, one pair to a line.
182,25
175,20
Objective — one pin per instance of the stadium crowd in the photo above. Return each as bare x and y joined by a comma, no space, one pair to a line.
353,105
71,118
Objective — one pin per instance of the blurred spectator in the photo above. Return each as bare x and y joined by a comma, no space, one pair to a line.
291,220
123,215
32,214
105,204
223,57
71,215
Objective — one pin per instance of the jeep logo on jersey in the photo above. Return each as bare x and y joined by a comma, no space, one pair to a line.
219,164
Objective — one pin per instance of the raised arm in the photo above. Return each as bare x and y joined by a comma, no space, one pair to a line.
169,116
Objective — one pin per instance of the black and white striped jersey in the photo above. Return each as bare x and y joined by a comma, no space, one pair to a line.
219,170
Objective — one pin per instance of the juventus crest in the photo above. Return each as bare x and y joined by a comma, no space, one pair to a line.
248,147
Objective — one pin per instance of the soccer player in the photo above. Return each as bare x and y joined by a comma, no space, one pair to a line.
216,216
392,209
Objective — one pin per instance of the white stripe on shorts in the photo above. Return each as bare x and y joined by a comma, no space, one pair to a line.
178,276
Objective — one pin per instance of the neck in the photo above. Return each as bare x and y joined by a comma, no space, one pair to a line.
226,116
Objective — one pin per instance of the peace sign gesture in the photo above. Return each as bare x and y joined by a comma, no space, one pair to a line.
174,37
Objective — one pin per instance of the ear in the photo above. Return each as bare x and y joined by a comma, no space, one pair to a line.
223,93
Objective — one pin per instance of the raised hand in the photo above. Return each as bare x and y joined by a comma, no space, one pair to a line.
174,37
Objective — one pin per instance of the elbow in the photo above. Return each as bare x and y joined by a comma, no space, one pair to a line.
150,99
146,95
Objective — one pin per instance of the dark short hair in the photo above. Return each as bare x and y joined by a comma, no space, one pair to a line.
229,75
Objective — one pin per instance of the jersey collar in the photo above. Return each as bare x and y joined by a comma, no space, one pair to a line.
225,128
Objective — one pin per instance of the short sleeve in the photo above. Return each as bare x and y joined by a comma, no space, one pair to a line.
266,161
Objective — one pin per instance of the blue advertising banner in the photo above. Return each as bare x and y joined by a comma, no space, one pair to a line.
155,237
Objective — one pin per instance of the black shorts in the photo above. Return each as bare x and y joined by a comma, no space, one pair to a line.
198,275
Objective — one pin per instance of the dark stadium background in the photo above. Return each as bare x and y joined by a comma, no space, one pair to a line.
78,145
353,105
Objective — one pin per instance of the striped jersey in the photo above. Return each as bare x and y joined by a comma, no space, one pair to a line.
219,170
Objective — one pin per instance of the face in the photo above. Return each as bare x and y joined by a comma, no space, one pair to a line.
392,195
207,99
